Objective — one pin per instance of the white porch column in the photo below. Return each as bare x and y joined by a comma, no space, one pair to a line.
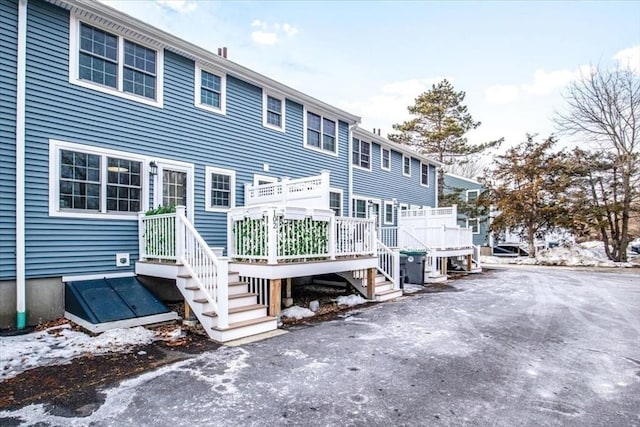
272,238
180,213
141,236
332,237
231,238
222,292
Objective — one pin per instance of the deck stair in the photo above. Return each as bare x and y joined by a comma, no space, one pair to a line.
384,289
246,317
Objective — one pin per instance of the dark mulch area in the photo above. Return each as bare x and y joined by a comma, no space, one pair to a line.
74,389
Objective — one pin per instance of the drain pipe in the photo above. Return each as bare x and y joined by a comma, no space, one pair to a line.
21,313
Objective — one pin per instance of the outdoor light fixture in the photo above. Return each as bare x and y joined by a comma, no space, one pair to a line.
153,168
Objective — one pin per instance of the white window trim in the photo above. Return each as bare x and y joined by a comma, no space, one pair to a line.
366,207
477,191
360,142
198,86
386,203
427,165
382,150
265,95
270,179
74,78
477,220
187,168
304,132
55,146
338,190
403,159
208,170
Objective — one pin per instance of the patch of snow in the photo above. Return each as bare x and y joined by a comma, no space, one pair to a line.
297,312
350,300
61,344
410,288
587,254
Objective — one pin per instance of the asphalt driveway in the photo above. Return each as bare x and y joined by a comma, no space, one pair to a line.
514,347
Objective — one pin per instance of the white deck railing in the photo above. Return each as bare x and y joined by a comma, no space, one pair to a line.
308,192
173,237
389,264
428,217
288,234
444,237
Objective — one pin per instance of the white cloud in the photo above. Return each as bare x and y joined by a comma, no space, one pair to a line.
629,57
389,106
545,83
181,6
269,34
501,94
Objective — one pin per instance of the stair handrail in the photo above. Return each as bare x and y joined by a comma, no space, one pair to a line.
430,259
384,255
211,274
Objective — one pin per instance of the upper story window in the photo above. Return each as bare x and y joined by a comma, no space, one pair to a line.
108,62
210,90
472,195
406,165
385,158
92,182
321,133
424,174
335,202
361,154
220,187
273,111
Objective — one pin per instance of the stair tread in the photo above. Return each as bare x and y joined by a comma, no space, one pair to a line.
244,323
242,295
387,292
237,309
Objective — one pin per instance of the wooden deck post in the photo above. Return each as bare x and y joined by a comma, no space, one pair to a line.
469,262
275,296
288,301
443,265
371,283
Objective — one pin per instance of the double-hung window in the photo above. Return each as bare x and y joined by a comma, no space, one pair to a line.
359,208
335,202
385,158
108,62
406,165
474,225
472,195
424,174
210,90
388,212
321,133
361,154
273,114
88,181
220,189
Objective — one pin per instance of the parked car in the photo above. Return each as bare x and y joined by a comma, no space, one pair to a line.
635,246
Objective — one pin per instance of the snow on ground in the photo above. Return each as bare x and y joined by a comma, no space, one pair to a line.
297,312
60,344
410,288
587,254
350,300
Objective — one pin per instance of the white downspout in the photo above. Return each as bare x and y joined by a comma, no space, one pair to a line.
350,175
437,187
21,313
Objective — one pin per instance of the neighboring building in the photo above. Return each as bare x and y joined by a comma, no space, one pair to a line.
104,116
469,191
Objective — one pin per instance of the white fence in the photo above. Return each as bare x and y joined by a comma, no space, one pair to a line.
428,217
173,237
288,234
308,192
444,237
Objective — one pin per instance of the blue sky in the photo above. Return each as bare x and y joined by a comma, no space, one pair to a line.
373,58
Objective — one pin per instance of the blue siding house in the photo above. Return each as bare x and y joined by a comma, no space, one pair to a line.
469,191
104,117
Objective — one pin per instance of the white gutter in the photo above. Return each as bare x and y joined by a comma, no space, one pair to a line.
21,313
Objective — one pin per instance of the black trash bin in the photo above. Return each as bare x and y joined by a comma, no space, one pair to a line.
414,267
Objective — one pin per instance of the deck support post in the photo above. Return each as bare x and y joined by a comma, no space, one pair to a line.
371,283
275,296
288,301
469,262
189,316
443,265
